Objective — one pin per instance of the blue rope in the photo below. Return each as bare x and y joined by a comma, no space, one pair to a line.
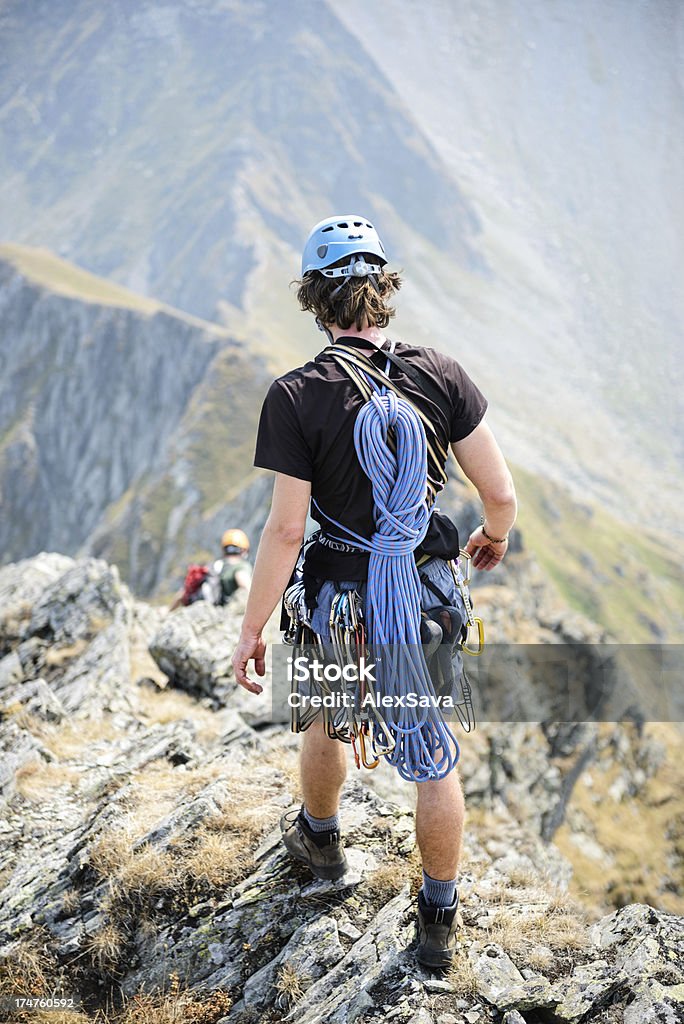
425,748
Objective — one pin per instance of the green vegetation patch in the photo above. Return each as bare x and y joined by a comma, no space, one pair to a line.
626,579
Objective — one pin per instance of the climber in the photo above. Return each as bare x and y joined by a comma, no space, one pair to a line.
306,436
218,582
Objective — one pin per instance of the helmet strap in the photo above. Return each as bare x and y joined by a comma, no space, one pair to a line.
339,288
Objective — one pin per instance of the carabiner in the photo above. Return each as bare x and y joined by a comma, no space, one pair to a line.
466,568
477,623
356,753
362,740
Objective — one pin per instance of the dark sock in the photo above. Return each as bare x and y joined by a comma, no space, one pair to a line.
439,893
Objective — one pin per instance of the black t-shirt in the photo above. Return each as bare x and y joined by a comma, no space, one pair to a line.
306,430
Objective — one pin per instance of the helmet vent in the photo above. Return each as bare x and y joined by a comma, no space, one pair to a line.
329,228
343,224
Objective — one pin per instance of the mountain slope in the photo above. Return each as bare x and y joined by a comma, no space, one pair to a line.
124,425
521,159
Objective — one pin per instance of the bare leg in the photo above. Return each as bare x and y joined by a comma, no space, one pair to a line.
323,768
440,812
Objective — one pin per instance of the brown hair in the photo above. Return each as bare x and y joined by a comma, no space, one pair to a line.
357,302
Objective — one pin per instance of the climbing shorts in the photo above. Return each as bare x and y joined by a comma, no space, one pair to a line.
449,614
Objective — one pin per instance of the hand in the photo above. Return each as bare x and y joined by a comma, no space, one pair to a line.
485,554
249,647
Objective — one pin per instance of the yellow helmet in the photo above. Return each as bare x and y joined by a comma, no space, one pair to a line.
235,539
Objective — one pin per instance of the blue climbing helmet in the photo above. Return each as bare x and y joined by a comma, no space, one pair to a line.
336,237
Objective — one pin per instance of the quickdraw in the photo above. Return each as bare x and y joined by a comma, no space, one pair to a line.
362,725
353,723
461,576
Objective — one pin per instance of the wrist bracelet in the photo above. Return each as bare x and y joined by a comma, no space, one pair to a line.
492,540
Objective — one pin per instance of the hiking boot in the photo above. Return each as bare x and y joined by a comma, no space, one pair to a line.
436,933
322,852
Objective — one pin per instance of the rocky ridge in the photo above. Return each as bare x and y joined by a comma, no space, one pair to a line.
119,445
141,866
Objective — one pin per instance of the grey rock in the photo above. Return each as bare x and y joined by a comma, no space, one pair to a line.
193,646
502,984
99,680
22,584
437,985
39,699
19,749
588,986
422,1017
375,952
312,950
286,944
78,603
655,1003
11,672
349,930
359,1003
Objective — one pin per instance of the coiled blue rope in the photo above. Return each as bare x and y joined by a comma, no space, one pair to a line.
425,748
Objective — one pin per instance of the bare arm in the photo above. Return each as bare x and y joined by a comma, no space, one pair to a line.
276,556
480,458
243,578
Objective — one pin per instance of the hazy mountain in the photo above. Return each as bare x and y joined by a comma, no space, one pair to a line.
522,160
127,431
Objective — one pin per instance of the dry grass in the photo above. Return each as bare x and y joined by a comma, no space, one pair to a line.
154,792
640,834
13,625
111,851
55,657
72,737
223,851
517,932
174,1007
390,878
32,968
135,874
71,899
57,1017
522,878
106,947
37,781
462,976
67,739
159,783
143,666
286,762
291,983
242,815
165,705
539,958
216,854
147,872
218,859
